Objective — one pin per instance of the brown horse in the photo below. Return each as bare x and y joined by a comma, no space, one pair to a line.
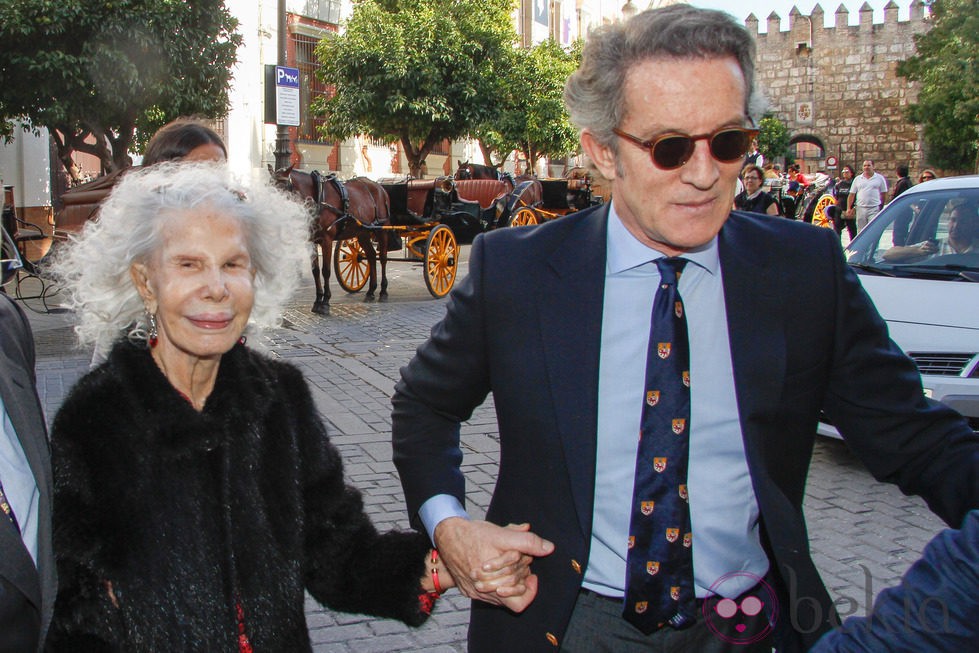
467,170
341,210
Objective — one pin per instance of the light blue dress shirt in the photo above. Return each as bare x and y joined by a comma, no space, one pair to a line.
723,508
18,483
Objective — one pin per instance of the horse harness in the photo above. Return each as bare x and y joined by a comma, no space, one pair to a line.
342,212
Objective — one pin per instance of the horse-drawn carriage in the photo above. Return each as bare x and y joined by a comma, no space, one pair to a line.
557,197
425,219
431,219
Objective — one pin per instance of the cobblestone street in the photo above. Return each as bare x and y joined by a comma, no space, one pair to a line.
864,534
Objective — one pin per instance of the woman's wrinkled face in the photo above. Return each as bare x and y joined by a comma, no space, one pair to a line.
199,284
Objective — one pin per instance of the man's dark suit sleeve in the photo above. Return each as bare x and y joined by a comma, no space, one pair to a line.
447,379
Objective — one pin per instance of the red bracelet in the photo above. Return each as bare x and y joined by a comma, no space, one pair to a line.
435,573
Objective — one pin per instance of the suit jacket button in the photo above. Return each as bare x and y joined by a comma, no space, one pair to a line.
552,639
576,566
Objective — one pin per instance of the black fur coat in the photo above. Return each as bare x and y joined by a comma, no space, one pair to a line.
182,511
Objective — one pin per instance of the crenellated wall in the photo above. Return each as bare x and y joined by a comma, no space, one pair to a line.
838,85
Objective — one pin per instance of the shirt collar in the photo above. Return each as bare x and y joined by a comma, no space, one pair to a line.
625,252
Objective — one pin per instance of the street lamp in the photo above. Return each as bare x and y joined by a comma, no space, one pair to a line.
282,153
629,10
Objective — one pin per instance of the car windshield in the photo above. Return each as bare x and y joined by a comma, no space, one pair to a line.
931,234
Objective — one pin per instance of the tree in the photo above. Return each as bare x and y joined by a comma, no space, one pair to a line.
416,71
773,137
98,70
948,101
530,114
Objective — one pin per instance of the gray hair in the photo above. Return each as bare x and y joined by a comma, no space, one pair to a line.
93,268
594,93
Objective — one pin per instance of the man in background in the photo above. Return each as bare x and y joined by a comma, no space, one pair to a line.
867,195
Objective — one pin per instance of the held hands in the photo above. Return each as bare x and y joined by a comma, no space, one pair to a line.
489,562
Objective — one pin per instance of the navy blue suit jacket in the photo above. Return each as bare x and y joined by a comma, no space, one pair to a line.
526,326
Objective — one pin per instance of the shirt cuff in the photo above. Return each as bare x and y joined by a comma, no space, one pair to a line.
437,509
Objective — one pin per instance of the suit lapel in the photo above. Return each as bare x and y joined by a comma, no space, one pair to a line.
570,298
757,335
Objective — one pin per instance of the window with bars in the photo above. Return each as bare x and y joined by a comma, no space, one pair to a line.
310,87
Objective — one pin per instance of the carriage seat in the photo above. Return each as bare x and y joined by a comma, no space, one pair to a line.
81,203
484,191
420,196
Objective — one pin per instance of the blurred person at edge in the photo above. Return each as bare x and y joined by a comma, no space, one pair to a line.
867,195
197,494
663,103
183,139
27,570
753,198
935,608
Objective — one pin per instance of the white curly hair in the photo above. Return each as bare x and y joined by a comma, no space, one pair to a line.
93,267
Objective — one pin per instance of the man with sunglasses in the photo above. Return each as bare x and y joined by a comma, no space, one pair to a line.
555,321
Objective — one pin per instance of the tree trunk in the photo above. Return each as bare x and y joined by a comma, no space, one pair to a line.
488,154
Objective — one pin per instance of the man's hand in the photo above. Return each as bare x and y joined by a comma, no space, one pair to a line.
489,562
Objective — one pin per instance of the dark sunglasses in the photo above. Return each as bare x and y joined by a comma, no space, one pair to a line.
671,151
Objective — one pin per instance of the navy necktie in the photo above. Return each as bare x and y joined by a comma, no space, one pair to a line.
659,573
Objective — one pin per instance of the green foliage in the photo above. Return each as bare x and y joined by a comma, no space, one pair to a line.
773,137
948,102
417,71
530,113
101,69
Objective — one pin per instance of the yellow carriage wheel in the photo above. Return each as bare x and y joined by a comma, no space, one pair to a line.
350,265
523,217
819,217
441,261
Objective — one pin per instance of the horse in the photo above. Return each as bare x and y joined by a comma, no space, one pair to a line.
341,210
467,170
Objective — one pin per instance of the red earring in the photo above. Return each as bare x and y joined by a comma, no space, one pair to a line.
152,337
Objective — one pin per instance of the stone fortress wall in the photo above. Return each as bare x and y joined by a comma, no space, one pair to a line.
837,86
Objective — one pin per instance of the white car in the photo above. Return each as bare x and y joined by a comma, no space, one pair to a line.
919,262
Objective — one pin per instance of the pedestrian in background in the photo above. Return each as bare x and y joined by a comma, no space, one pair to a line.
753,198
27,569
926,175
903,182
841,191
902,223
867,195
671,450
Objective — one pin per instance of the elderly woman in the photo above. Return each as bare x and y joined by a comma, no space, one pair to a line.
196,492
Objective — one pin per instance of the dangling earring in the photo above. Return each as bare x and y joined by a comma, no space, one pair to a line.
152,337
242,340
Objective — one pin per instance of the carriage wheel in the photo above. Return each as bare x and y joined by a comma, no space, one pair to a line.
350,265
819,217
524,216
441,261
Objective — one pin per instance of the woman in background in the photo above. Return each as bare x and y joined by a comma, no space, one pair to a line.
753,198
